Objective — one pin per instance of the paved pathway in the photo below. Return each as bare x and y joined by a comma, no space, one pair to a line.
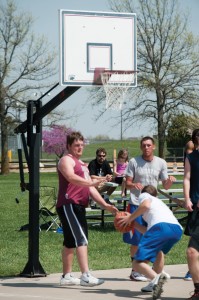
117,286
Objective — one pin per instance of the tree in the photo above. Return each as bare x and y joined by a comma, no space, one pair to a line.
179,132
25,65
54,140
168,65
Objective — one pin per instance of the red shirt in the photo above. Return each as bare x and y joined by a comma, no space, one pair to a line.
71,193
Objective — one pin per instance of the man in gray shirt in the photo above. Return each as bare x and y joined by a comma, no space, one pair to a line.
143,170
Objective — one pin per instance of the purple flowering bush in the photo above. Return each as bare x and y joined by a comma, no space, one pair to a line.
54,140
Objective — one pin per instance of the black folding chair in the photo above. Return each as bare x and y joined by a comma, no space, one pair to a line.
48,217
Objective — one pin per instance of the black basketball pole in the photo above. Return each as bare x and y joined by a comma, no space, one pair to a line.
35,113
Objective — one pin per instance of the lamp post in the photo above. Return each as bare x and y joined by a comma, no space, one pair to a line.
18,112
121,123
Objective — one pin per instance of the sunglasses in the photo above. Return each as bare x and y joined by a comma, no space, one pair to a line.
101,155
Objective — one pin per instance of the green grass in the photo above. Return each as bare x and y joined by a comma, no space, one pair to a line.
106,249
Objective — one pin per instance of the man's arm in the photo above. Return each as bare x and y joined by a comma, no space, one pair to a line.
95,195
186,185
168,182
142,208
133,185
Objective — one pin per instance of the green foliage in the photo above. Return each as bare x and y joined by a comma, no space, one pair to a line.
178,133
106,248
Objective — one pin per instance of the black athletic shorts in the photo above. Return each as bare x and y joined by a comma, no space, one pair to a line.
74,225
119,179
192,228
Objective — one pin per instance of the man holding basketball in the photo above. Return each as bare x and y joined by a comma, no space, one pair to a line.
75,187
143,170
191,195
163,231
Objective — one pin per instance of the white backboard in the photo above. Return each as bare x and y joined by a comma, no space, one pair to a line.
91,42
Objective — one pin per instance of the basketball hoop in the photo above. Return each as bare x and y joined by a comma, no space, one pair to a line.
116,85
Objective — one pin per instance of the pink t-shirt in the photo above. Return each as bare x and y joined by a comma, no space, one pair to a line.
121,168
71,193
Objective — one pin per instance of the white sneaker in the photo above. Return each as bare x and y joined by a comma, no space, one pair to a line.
148,288
88,280
69,279
137,276
168,276
159,281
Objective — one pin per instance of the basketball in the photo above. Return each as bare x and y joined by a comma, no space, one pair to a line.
120,227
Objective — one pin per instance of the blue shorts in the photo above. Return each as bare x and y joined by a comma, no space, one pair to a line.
160,237
134,238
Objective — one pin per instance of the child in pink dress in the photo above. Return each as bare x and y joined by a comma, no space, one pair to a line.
120,165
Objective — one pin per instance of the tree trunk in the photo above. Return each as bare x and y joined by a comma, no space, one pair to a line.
4,143
161,127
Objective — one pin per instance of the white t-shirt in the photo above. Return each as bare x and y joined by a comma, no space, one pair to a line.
145,172
158,212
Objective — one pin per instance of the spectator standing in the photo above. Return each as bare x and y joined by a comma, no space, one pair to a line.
99,168
189,147
120,165
143,170
191,195
75,187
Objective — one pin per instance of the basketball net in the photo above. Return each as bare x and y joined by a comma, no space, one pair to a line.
116,85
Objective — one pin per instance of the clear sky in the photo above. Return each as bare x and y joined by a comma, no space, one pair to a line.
45,13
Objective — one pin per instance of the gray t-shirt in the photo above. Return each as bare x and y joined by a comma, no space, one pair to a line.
145,172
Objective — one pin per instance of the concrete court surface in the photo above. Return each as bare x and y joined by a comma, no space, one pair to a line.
117,286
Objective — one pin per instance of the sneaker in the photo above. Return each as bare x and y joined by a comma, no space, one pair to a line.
168,276
195,296
148,288
137,276
69,279
159,281
88,280
188,276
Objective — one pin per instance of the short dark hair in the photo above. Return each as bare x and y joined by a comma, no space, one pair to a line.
73,136
99,150
145,138
150,190
194,134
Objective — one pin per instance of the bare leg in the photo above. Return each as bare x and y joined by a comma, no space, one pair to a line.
133,250
110,190
82,256
159,263
123,187
67,259
193,263
143,268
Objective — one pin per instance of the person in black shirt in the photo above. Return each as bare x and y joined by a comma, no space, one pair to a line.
191,195
99,167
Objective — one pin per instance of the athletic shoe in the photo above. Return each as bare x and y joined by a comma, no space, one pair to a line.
168,276
188,276
148,288
88,280
159,281
137,276
195,296
69,279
